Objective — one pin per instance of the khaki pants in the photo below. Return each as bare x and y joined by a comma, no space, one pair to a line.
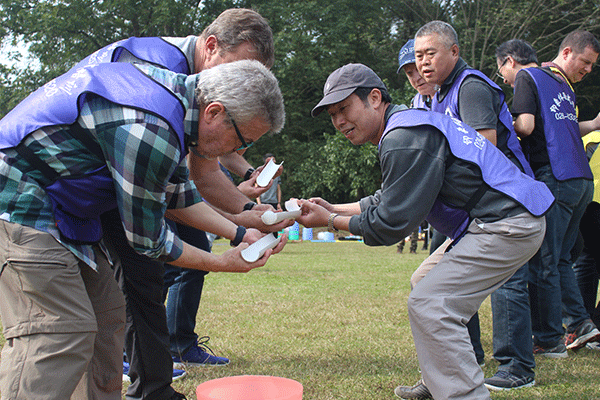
63,322
430,262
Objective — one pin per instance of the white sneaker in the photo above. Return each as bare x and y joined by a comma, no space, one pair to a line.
593,346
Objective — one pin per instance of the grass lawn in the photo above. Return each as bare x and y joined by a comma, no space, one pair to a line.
333,317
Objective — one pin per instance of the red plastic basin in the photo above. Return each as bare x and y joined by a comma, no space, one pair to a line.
250,387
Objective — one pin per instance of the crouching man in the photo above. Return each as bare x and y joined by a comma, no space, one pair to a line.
433,168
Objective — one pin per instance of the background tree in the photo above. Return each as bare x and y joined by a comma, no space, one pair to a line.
312,38
483,24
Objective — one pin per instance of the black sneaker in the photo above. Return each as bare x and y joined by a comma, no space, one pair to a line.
417,391
504,380
558,351
177,396
585,332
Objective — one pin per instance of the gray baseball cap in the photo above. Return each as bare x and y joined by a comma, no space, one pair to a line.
406,54
344,81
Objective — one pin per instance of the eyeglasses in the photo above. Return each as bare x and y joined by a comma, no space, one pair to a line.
498,74
239,134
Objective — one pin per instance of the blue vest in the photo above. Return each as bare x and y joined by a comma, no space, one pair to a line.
78,202
561,128
497,171
151,49
449,106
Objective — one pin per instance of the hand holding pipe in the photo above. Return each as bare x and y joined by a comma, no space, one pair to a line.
272,218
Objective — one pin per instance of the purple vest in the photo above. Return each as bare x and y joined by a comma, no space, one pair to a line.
497,171
419,102
78,202
561,128
151,49
449,106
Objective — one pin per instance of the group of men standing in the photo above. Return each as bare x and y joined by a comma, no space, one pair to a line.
96,163
509,204
525,321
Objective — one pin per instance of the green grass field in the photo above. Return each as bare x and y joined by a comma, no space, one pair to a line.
333,317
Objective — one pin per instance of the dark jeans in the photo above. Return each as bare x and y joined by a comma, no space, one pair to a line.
425,229
437,238
513,347
587,266
552,284
475,336
146,334
184,287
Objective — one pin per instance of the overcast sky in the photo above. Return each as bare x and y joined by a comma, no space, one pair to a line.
7,49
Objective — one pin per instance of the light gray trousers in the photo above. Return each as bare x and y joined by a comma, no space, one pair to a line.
447,296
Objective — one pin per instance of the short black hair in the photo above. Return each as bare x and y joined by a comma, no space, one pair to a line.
521,51
363,94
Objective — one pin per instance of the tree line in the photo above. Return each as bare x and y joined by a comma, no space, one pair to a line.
312,38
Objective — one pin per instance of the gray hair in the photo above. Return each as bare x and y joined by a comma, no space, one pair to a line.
441,28
239,25
247,89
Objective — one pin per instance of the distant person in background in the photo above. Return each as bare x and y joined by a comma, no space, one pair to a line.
414,238
273,195
425,230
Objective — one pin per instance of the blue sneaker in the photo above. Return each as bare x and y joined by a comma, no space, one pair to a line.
177,373
126,372
198,355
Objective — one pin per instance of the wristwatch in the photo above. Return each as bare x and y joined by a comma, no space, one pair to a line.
330,226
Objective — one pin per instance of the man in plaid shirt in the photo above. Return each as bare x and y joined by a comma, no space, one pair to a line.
57,292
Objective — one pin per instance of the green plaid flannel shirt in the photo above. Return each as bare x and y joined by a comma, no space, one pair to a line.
142,154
